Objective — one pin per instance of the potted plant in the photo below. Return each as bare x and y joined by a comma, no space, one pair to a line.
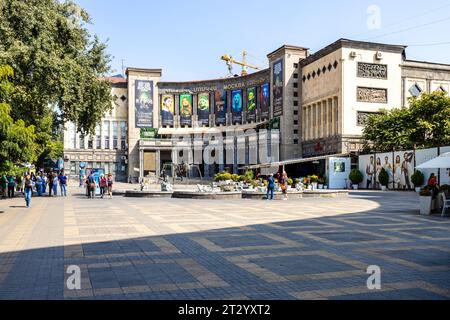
418,179
356,177
383,177
320,183
426,197
325,183
314,180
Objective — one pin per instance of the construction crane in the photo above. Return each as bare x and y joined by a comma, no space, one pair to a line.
230,61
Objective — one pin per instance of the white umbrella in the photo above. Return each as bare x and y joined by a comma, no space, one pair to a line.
441,162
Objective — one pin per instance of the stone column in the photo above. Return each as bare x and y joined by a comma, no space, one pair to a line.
141,164
337,116
158,164
330,117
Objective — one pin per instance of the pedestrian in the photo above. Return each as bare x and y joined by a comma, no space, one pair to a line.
110,185
39,185
44,182
103,185
63,184
284,184
55,184
270,187
92,185
4,186
11,186
28,189
50,183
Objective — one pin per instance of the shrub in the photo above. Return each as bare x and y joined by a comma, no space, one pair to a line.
249,175
425,192
383,177
290,182
314,179
356,177
235,177
223,176
418,178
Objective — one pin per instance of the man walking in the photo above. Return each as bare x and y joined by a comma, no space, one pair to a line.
11,186
270,187
63,184
28,189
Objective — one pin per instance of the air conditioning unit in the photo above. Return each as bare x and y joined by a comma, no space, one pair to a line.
353,54
379,55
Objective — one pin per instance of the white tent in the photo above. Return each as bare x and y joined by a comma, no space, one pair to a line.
441,162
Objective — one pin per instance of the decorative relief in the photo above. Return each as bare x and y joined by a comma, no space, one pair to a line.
361,117
373,95
372,70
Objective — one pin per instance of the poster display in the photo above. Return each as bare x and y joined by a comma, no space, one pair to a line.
186,109
403,170
236,106
265,101
143,104
167,110
278,88
338,171
220,101
251,104
203,109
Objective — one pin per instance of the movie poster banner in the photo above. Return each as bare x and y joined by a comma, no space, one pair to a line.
203,109
236,104
265,102
403,170
251,104
186,109
220,103
167,110
278,88
143,104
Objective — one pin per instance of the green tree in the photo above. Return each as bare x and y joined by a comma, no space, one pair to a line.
58,66
425,124
17,140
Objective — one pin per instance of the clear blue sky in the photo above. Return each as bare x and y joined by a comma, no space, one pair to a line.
186,38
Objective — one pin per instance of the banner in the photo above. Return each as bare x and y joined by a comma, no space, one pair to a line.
143,104
265,101
251,104
167,110
236,106
203,109
186,110
220,101
278,88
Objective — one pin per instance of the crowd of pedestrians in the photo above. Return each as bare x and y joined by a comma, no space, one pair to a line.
104,184
32,184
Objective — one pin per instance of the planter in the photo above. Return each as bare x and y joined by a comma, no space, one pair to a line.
320,186
418,190
325,187
314,185
425,205
383,188
355,187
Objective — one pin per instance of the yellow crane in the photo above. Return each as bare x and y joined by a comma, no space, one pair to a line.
230,61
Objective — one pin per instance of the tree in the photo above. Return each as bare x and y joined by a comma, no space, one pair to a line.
425,124
17,140
58,66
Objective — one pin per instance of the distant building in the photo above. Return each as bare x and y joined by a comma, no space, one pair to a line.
319,103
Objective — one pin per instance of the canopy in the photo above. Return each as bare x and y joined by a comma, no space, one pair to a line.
441,162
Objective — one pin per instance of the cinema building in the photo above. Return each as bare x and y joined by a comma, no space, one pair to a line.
315,105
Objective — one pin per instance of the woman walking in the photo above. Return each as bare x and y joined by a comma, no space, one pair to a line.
284,185
55,184
28,189
103,185
110,185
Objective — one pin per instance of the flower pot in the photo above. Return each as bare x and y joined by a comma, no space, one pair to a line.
314,185
425,205
355,187
320,186
418,190
383,188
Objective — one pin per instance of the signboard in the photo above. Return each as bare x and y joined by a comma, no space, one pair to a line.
186,109
148,133
251,104
220,104
167,110
338,172
203,109
265,101
278,88
143,104
236,105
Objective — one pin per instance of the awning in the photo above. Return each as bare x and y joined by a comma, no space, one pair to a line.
293,161
441,162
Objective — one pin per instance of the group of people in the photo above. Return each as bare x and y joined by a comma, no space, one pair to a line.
282,179
34,183
104,183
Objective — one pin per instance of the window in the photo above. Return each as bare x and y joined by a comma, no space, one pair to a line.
91,143
295,112
295,131
295,75
106,127
295,103
98,137
441,89
304,78
295,122
296,94
295,84
295,141
82,146
295,65
115,135
123,135
415,90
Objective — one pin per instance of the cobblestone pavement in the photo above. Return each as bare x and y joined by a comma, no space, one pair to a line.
243,249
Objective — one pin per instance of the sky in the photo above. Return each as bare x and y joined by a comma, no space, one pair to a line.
186,38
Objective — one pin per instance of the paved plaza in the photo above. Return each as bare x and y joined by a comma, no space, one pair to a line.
243,249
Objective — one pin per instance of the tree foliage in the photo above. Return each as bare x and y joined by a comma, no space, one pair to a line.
58,66
17,140
425,124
